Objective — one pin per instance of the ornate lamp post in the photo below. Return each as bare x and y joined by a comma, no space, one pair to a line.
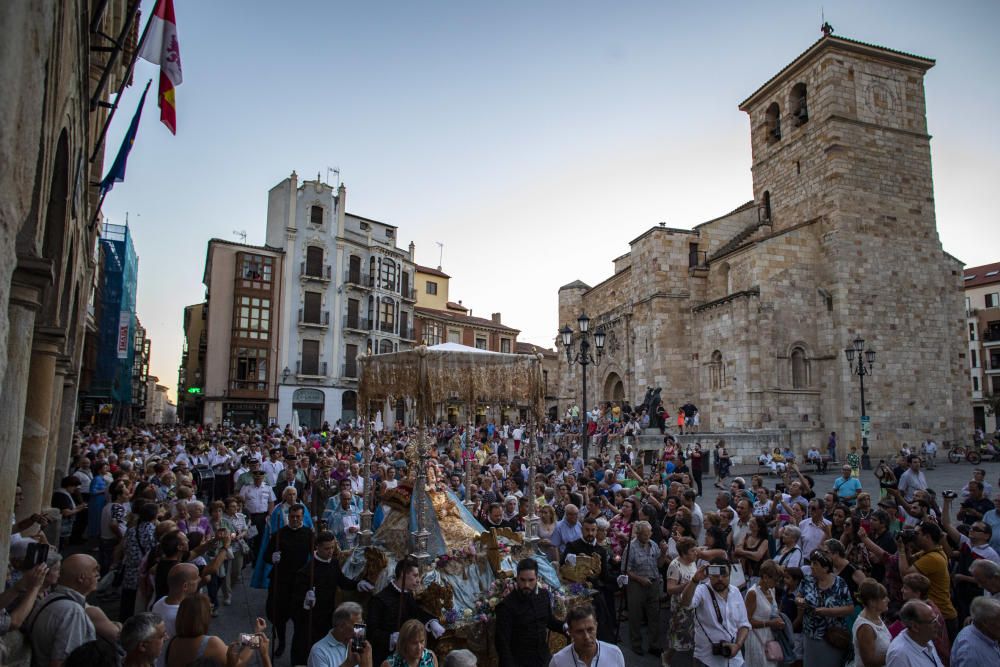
584,358
863,367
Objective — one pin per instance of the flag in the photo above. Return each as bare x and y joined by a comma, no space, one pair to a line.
162,48
116,174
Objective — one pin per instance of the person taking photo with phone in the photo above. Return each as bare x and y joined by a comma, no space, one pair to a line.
721,623
337,648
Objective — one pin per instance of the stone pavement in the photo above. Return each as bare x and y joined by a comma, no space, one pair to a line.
249,603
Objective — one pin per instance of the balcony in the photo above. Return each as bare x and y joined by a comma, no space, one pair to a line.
317,371
324,276
354,280
990,337
409,294
247,389
386,327
698,259
407,334
361,324
349,370
321,322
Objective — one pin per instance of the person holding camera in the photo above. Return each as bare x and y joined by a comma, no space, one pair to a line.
930,560
721,623
341,646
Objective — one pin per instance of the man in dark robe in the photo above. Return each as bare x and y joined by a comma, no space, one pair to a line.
393,606
523,621
288,549
604,582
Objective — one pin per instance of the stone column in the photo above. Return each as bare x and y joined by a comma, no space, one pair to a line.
67,426
27,284
55,416
32,469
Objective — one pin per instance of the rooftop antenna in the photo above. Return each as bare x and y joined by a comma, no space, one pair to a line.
826,28
335,170
440,253
241,234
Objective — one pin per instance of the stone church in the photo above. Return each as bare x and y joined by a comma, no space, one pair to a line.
748,315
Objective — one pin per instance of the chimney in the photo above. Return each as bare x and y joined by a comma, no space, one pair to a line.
496,318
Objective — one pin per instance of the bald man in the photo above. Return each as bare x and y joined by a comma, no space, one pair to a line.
182,580
59,623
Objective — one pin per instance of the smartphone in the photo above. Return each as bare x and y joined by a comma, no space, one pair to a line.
253,641
37,554
358,640
717,570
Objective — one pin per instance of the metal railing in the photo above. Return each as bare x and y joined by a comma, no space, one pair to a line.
323,321
698,259
409,294
318,371
349,370
324,274
407,333
357,322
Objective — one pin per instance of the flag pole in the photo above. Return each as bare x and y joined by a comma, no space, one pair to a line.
121,87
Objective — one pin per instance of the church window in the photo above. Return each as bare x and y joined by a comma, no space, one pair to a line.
384,346
772,121
799,105
765,207
316,215
800,368
716,371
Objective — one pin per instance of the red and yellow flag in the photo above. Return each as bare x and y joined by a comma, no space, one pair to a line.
162,48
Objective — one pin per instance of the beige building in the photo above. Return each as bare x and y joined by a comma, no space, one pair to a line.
191,374
243,297
982,310
748,315
432,287
55,74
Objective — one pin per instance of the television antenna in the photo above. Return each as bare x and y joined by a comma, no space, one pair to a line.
335,170
241,234
440,253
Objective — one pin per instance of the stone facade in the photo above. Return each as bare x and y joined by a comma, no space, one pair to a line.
748,315
53,79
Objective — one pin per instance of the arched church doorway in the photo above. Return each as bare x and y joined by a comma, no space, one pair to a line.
614,388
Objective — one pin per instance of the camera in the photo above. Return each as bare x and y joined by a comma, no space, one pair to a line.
38,554
949,494
907,536
717,570
886,478
723,649
358,639
253,641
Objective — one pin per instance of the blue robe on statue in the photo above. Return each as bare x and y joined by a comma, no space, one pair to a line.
279,517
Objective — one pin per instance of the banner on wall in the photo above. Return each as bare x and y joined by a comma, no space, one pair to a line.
124,320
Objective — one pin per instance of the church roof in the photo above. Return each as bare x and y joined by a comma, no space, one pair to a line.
576,284
831,41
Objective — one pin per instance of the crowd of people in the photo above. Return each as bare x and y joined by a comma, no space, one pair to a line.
159,524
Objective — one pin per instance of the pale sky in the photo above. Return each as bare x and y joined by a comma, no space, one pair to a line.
535,139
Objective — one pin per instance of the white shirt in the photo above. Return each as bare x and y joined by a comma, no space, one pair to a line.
271,470
910,482
708,630
812,535
256,497
904,652
607,655
168,612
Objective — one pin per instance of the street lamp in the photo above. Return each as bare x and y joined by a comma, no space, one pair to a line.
866,359
584,358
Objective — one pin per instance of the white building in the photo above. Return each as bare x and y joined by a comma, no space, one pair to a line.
348,290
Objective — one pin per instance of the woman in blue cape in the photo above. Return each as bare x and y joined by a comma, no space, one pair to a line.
275,522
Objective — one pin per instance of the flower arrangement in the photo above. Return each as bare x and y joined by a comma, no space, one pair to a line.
457,558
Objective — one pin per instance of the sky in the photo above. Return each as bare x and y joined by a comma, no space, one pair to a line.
533,139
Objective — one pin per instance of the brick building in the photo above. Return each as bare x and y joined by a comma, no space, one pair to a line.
748,315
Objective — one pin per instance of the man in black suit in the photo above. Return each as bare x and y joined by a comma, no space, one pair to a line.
523,621
604,582
288,550
393,606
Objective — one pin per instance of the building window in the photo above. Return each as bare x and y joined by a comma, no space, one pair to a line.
972,331
433,332
716,371
800,369
772,121
968,305
256,270
388,275
316,215
310,357
354,270
975,383
312,303
454,336
432,287
480,343
351,361
505,345
992,300
387,316
800,110
249,369
384,346
974,358
314,261
253,318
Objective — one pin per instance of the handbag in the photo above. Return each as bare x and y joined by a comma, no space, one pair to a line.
773,651
838,637
736,576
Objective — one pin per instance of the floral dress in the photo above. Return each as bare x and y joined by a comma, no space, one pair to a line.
140,540
620,533
426,660
680,635
837,595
